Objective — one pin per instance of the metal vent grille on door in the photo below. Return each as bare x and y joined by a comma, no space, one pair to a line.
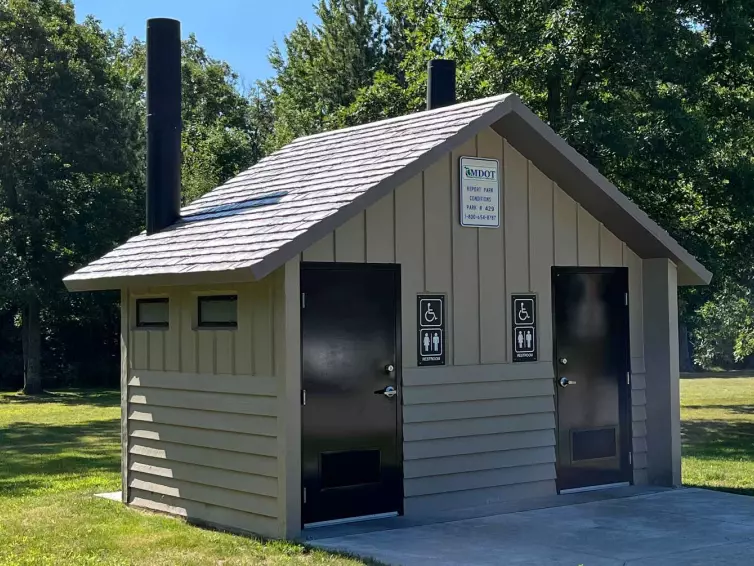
594,444
352,467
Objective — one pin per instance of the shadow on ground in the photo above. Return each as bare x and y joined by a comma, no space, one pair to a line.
35,455
91,397
32,453
719,441
737,409
733,374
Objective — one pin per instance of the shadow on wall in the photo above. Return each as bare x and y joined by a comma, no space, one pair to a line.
211,457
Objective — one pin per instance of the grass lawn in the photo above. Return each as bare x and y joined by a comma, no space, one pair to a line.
58,450
717,415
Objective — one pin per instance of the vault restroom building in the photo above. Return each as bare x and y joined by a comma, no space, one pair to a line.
271,331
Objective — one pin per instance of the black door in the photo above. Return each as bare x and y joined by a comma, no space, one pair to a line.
350,434
590,308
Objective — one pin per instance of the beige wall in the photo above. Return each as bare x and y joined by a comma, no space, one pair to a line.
664,406
481,429
202,407
212,417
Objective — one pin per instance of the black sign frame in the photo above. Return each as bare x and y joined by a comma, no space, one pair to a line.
524,338
430,324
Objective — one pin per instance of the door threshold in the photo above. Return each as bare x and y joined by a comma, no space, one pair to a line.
595,487
351,520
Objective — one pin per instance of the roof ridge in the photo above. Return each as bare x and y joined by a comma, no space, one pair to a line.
450,108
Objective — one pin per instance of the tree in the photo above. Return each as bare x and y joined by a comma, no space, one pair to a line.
324,67
68,150
220,135
658,96
72,157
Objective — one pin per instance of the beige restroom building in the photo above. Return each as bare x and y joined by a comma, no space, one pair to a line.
446,310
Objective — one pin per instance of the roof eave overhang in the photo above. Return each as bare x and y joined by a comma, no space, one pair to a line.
76,283
525,132
594,192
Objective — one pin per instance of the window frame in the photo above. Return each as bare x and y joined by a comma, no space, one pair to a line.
141,325
227,325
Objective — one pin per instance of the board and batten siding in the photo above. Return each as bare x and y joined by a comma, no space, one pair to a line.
481,429
201,406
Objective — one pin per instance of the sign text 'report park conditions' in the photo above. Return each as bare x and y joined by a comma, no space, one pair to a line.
480,192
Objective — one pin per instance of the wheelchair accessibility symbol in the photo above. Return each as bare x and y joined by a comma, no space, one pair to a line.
524,309
431,312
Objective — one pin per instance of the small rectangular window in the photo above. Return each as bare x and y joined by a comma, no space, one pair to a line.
218,310
152,313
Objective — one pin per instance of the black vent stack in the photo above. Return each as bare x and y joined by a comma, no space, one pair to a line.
163,123
441,83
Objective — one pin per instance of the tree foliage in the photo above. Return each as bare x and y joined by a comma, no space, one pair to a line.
324,67
72,161
67,154
657,95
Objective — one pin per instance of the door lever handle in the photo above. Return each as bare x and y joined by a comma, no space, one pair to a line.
565,382
388,392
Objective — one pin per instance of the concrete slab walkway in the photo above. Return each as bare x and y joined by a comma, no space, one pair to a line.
687,526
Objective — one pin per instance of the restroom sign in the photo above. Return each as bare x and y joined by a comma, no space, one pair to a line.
431,330
524,331
480,192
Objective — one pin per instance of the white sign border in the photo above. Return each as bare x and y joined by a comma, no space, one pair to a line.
460,191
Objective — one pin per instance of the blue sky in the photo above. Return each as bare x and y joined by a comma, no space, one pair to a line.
237,31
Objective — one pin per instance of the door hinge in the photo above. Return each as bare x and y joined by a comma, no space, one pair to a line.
303,397
631,458
304,495
628,377
303,300
626,299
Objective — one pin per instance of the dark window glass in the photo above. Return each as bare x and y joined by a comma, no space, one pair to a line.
152,313
218,310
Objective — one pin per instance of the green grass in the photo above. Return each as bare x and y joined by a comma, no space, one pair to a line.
56,451
717,415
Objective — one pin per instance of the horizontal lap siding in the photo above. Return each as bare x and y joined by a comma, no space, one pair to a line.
477,437
211,514
638,377
202,412
639,427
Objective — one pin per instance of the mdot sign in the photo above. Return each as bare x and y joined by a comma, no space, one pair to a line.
480,192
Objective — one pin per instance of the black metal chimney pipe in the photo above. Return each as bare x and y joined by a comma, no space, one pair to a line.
441,83
163,123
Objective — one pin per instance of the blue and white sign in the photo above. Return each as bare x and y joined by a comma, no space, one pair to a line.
480,192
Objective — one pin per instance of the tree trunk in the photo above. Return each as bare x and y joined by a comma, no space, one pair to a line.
684,349
554,108
32,338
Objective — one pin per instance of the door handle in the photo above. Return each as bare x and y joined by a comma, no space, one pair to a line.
388,392
565,382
